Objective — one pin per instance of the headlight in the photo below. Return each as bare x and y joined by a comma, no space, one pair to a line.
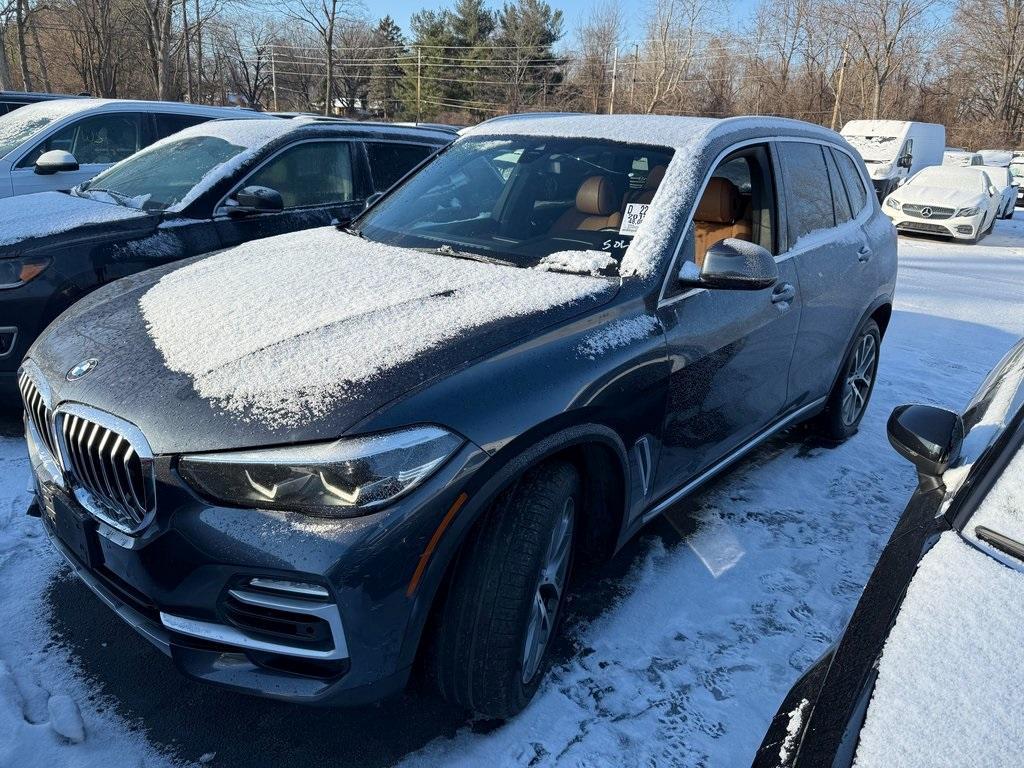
893,203
967,212
345,478
16,272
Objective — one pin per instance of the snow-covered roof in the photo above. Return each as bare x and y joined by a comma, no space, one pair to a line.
996,157
949,686
277,329
19,125
50,213
875,127
693,140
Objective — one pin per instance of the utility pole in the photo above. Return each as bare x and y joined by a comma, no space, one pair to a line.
615,67
419,67
839,85
273,76
632,87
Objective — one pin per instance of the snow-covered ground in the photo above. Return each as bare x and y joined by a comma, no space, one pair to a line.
680,651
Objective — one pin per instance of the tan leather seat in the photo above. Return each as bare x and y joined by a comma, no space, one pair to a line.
595,208
719,215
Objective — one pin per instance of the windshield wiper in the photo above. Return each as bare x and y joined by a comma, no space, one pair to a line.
121,198
447,250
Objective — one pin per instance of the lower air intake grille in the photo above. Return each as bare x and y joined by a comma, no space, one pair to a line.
110,461
920,226
39,412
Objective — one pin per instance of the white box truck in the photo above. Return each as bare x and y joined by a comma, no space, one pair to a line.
895,150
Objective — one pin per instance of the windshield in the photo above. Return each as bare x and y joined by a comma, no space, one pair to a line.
875,149
1017,171
22,124
519,199
950,177
158,177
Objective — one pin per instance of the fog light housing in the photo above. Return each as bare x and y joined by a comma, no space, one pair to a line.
290,587
8,336
964,229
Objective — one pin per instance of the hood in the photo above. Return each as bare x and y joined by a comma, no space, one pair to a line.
42,220
293,338
941,196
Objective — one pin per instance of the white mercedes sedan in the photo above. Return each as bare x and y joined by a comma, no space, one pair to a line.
961,203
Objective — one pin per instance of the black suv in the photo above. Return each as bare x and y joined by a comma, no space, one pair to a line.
303,465
202,189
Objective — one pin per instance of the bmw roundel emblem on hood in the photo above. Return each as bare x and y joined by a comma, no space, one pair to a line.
83,368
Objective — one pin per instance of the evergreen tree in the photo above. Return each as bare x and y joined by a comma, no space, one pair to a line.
388,82
527,31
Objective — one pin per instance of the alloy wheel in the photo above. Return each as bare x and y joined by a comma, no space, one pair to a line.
548,596
859,378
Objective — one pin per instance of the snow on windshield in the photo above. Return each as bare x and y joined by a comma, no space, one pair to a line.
950,177
50,213
948,690
260,329
19,126
874,149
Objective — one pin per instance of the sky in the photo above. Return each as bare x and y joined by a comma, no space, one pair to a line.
573,10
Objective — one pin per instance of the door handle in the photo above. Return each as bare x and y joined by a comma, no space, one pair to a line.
783,293
864,254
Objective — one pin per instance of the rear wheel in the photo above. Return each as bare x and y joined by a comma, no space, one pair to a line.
506,595
850,395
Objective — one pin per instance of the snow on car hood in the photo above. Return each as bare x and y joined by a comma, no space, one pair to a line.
941,196
43,214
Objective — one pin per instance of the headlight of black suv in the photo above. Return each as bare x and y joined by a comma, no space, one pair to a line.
344,478
14,273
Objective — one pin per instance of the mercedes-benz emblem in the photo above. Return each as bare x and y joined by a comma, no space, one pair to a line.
83,368
926,212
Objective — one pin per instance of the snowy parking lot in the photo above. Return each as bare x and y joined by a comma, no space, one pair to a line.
678,652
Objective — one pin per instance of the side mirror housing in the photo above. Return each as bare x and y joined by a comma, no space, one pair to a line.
55,161
250,201
929,437
735,265
992,191
373,199
906,161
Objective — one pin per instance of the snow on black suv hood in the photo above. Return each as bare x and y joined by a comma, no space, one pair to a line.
50,218
297,337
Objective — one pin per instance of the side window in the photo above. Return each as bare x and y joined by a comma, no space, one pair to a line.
167,125
312,173
908,150
808,189
858,194
839,198
391,161
100,139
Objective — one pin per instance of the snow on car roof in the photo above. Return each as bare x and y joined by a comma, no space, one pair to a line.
691,138
948,688
22,123
344,320
50,213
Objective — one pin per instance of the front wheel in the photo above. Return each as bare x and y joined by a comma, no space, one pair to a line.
506,595
849,397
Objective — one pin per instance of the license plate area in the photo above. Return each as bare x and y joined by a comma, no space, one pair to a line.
77,532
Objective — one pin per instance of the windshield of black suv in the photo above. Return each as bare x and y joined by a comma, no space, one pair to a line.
158,177
518,199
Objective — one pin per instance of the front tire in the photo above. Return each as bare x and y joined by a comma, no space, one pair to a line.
506,595
852,391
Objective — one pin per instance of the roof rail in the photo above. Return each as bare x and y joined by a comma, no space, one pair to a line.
528,115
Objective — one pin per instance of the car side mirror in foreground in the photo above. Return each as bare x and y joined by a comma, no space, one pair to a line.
928,436
732,264
250,201
55,161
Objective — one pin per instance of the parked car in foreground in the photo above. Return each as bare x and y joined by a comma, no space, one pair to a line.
208,187
894,150
961,203
926,671
12,100
57,144
302,465
1007,188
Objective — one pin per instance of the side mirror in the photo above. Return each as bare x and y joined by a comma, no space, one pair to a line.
55,161
929,437
250,201
992,191
733,265
373,199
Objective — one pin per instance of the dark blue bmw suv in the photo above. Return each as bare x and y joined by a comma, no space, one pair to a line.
305,465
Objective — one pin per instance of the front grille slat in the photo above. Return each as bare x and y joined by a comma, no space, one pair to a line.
104,461
38,411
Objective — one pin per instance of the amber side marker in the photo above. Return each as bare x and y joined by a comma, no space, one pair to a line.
421,566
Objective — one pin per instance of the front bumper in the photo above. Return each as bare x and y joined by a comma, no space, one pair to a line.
185,584
961,228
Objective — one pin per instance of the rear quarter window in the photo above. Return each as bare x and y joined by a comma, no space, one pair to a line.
390,161
853,180
809,205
